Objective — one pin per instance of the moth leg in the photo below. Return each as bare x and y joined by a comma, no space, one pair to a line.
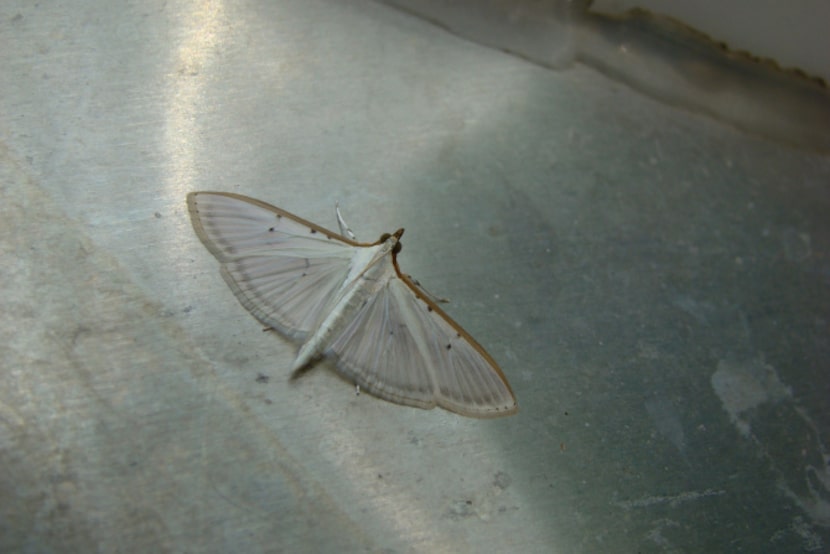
356,389
434,298
344,228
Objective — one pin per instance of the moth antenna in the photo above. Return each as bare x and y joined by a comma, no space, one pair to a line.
344,227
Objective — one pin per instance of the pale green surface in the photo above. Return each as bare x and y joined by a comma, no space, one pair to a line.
654,284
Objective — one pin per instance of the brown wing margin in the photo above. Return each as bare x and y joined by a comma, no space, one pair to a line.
192,206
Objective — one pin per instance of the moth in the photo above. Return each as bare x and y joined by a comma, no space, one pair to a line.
349,301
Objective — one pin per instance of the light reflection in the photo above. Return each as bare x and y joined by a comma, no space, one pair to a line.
202,32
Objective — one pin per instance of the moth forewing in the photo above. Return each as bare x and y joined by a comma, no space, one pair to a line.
283,269
474,385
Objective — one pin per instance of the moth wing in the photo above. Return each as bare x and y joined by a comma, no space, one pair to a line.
283,269
403,348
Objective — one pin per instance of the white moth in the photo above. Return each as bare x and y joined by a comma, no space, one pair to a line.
350,301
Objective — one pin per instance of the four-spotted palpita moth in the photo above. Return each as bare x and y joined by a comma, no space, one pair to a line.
348,300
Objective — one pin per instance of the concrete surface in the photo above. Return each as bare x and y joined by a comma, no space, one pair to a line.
656,286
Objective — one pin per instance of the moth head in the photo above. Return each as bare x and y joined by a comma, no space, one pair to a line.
397,248
394,239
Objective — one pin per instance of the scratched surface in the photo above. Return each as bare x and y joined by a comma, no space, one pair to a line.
656,286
